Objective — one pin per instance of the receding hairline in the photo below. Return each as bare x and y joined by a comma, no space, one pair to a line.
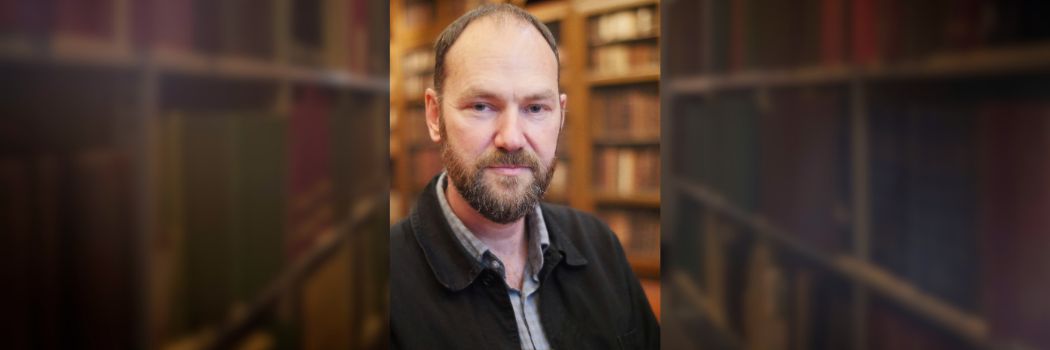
501,15
500,22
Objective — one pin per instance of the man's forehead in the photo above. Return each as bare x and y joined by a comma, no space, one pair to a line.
501,40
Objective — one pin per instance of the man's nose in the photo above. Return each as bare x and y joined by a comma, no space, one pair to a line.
509,135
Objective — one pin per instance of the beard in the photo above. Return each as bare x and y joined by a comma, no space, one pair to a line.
501,199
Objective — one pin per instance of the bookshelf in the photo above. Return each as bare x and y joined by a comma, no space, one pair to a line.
635,77
821,151
176,127
622,76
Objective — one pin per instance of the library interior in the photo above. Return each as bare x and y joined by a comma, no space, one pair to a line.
808,174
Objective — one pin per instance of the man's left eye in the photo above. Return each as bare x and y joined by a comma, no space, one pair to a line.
534,108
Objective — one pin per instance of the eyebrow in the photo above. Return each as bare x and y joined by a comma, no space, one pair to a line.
474,92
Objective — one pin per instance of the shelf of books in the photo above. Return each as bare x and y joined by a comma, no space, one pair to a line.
622,76
164,162
849,173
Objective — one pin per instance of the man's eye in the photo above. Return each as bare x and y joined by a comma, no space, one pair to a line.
535,108
480,107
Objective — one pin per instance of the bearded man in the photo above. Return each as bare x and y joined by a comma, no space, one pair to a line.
481,263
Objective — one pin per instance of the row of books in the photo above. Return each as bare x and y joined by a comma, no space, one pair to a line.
69,235
626,113
415,131
955,181
627,170
415,86
424,13
737,35
625,58
68,248
320,33
559,185
417,61
957,199
417,72
418,13
638,230
244,192
635,23
425,163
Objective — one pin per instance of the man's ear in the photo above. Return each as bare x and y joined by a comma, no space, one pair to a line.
563,99
433,114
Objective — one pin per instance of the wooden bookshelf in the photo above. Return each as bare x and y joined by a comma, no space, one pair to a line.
135,89
839,216
621,142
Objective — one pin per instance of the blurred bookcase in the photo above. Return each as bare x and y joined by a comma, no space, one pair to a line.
608,153
207,147
838,171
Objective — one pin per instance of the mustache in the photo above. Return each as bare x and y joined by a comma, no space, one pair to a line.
503,158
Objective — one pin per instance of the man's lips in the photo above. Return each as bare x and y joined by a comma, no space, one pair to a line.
509,169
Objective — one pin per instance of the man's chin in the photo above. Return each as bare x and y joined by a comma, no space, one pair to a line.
508,190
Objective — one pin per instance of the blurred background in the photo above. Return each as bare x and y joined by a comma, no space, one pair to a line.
184,174
609,150
856,174
836,174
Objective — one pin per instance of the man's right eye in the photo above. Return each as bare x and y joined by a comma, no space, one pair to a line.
480,107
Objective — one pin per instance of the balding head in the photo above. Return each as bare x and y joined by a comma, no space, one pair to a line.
500,14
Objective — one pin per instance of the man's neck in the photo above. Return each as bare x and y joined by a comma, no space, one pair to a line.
506,240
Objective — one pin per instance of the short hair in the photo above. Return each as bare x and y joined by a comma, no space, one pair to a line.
452,32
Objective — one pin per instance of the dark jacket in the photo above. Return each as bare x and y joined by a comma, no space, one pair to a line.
441,298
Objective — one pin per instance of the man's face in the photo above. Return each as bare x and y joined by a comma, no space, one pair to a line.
499,117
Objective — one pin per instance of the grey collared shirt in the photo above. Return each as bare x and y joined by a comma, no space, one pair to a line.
524,301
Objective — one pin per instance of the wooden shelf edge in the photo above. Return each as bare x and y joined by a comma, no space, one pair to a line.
549,11
68,51
800,76
645,266
612,140
641,76
240,67
76,51
592,7
625,40
639,199
1001,60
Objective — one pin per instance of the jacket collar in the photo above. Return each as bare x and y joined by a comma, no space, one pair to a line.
450,262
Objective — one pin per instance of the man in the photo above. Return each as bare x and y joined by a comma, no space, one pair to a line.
480,263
